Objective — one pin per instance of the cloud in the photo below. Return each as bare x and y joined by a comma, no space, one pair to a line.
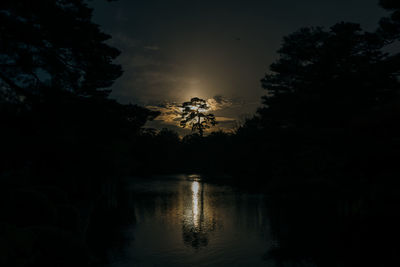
224,119
171,113
219,102
152,47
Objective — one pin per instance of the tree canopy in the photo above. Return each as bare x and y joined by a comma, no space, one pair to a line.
194,115
56,71
53,44
326,77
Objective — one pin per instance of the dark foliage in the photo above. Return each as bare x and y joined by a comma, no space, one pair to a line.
53,44
64,143
194,115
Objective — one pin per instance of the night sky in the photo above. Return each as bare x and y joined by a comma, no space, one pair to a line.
217,50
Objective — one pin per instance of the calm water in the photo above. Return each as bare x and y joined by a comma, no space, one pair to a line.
183,221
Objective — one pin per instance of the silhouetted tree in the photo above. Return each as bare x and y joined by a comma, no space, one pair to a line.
62,140
53,44
55,75
390,26
332,97
389,31
194,115
326,78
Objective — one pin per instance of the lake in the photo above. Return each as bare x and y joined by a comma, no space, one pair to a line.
183,221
